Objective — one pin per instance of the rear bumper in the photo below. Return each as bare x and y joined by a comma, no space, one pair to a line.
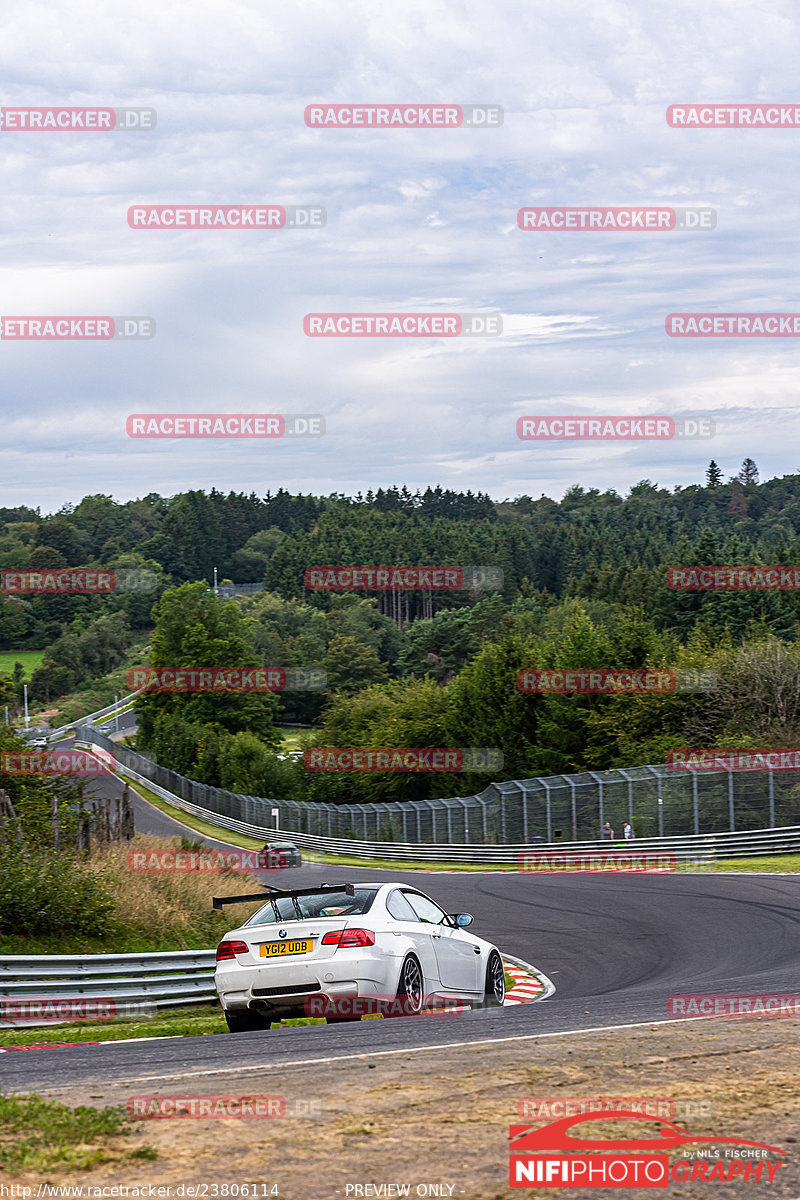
282,990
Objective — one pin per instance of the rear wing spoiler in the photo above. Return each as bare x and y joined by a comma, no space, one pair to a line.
276,894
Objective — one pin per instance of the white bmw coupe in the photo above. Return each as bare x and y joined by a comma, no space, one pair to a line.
342,950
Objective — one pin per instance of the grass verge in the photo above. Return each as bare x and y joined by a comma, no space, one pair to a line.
147,909
42,1135
775,864
200,1022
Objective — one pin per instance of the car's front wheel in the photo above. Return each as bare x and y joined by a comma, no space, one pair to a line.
494,992
245,1021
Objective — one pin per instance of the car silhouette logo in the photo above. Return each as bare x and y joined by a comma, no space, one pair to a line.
556,1136
281,933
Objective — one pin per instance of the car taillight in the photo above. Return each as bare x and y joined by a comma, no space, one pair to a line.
349,937
230,950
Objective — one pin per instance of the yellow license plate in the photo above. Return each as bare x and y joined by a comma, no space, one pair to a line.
279,949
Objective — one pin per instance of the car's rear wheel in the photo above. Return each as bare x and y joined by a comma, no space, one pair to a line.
410,991
494,992
245,1021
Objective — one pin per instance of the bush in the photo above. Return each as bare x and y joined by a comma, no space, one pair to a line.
49,893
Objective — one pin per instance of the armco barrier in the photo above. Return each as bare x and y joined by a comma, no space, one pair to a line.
166,979
706,848
90,719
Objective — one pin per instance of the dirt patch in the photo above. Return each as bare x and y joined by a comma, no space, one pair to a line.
440,1117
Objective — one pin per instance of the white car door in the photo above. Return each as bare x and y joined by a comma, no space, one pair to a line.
457,955
409,926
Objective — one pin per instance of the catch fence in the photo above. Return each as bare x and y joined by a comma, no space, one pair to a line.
658,801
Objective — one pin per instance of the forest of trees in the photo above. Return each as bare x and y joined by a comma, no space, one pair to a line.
584,585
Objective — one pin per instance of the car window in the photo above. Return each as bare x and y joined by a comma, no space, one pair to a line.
397,906
425,909
321,904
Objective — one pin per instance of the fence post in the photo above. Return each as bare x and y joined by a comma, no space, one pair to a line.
695,803
574,805
546,787
730,802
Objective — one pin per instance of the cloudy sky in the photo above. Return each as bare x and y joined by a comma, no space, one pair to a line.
417,220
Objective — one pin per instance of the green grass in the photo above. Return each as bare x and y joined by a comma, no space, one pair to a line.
191,822
42,1135
291,736
30,659
204,1019
772,863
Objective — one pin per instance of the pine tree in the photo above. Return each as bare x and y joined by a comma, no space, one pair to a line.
748,473
713,475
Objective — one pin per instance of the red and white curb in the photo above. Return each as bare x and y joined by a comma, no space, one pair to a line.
529,982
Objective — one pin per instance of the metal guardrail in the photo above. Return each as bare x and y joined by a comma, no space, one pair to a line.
130,982
90,718
689,849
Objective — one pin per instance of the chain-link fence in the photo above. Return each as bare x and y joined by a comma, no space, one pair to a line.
658,801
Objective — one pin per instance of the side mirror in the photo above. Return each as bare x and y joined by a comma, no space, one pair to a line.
462,920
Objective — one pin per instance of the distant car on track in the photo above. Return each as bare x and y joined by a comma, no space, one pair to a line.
338,943
276,855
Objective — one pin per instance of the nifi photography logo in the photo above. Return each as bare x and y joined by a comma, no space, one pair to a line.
551,1156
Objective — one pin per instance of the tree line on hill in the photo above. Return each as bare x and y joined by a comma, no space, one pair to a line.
584,585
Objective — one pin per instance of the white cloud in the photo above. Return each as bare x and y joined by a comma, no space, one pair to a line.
417,220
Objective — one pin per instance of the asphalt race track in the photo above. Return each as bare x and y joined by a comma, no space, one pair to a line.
615,946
